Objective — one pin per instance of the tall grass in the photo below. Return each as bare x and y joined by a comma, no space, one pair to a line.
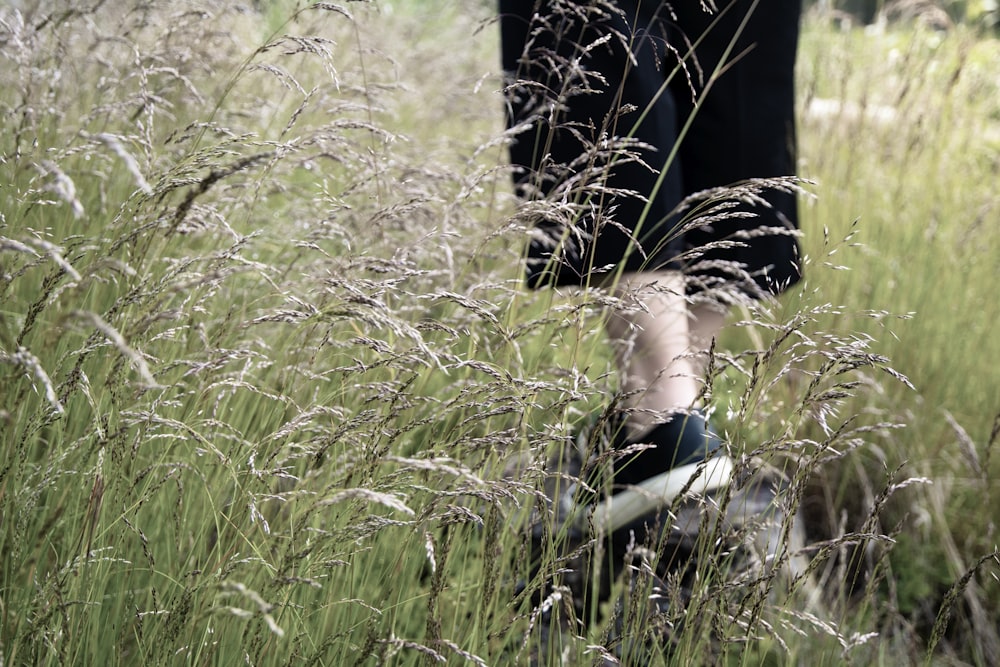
272,392
916,191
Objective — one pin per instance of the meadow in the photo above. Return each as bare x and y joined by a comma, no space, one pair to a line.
272,390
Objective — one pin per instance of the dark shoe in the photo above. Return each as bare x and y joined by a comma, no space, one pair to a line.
571,559
684,438
717,555
670,535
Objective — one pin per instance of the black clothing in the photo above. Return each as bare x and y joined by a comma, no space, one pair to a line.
617,123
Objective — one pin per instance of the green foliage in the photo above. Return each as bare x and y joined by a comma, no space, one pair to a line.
978,14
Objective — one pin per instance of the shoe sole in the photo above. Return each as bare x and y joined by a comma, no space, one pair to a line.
652,494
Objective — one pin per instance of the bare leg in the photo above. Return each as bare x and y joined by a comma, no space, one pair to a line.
705,321
660,341
653,347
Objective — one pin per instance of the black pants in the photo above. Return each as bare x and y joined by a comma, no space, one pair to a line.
623,109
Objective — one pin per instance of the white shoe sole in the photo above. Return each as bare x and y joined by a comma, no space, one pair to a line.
652,494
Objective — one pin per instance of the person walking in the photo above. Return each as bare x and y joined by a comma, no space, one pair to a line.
640,130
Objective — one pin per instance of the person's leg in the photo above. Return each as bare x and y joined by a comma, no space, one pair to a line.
660,342
705,321
742,129
652,341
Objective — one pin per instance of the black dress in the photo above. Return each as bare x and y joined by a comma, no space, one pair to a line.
622,110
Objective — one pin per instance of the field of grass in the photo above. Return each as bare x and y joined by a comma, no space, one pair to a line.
271,390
